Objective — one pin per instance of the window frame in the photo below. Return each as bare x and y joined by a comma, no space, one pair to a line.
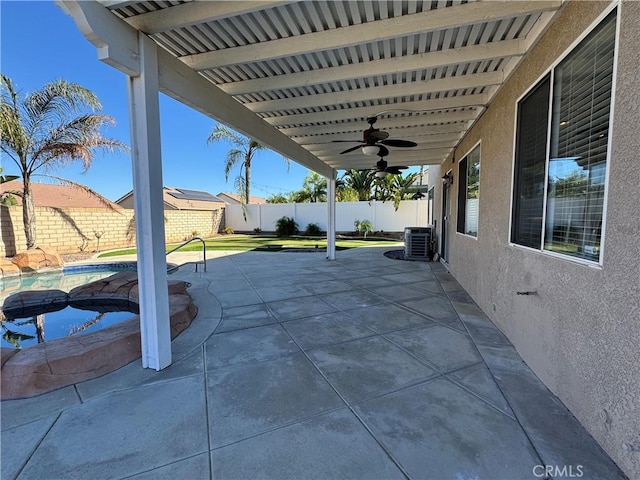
550,70
478,146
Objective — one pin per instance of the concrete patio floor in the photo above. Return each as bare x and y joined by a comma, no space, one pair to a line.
301,368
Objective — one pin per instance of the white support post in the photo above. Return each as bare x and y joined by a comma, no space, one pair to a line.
144,114
331,222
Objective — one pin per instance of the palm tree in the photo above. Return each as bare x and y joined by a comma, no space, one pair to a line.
7,197
314,189
361,181
245,149
40,132
344,193
401,188
394,187
279,198
316,184
383,188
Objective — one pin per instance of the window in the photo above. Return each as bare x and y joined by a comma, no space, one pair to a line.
561,151
531,159
469,193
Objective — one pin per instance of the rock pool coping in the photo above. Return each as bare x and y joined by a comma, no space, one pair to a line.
51,365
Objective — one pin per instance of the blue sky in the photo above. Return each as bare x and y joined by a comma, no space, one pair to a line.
40,43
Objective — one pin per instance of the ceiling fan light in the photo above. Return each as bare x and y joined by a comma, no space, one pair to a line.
381,174
370,149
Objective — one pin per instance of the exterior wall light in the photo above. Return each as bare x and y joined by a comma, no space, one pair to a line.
448,178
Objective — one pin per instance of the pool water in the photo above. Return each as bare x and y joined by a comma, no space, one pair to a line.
30,330
66,280
24,332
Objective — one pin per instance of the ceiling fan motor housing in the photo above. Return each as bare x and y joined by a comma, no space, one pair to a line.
372,135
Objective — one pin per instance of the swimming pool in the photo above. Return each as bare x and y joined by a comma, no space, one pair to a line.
70,277
33,329
27,330
71,359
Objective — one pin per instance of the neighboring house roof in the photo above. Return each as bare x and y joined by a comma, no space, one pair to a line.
57,196
233,198
179,199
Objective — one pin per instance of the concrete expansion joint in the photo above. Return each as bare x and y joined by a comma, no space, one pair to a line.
37,445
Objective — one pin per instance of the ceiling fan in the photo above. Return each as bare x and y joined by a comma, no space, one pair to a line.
382,168
375,141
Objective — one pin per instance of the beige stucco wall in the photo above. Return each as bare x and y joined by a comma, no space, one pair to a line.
70,230
581,332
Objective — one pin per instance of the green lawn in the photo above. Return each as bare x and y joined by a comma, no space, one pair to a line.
251,242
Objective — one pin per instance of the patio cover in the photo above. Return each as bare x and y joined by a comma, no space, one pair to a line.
298,75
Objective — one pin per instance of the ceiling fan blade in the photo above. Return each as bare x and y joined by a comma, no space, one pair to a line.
352,149
395,170
399,143
383,152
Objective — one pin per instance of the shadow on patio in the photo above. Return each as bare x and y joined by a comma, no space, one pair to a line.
300,368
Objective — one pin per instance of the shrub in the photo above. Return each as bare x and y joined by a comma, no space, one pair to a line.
313,230
257,230
228,230
285,227
363,227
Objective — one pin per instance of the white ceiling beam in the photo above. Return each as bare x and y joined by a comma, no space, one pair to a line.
193,13
365,164
420,140
396,157
183,84
417,134
474,53
408,153
117,3
423,22
385,92
371,164
393,153
411,133
397,122
329,148
333,148
535,34
178,81
380,111
116,42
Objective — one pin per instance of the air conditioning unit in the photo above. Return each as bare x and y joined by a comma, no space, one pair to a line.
418,243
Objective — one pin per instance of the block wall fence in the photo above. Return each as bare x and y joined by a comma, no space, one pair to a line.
71,230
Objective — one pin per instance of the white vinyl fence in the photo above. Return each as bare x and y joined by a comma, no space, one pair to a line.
383,217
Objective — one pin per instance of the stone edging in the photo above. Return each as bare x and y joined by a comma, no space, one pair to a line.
65,361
